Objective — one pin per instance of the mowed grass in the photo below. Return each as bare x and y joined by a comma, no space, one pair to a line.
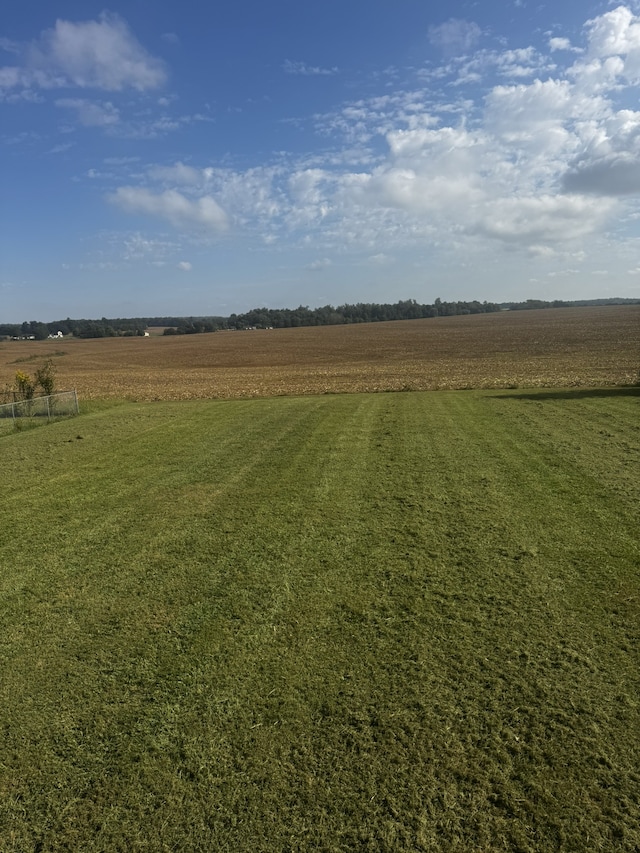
392,622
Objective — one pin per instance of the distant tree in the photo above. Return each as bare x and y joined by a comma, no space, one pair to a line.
40,331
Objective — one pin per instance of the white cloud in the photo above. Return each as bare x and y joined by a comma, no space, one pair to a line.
541,220
120,161
537,167
613,51
380,259
61,148
305,70
202,214
562,273
177,175
9,46
512,110
9,77
254,196
308,197
102,54
523,62
319,264
608,161
562,44
185,266
616,33
455,36
91,114
513,64
138,247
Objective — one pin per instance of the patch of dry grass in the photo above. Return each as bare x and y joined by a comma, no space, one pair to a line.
581,347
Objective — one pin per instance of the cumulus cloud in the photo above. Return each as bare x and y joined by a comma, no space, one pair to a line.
185,266
202,214
541,220
512,111
537,164
616,33
612,55
607,162
102,54
562,44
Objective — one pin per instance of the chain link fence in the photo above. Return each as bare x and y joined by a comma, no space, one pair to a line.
60,405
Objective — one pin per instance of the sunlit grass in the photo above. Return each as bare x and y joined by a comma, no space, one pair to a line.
386,622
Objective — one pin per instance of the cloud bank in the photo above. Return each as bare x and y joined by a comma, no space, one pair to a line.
539,165
500,148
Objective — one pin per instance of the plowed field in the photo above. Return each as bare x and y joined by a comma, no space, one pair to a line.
578,347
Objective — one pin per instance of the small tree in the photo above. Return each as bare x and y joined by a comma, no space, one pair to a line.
45,377
25,386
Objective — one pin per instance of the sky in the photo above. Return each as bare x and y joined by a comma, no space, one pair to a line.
189,158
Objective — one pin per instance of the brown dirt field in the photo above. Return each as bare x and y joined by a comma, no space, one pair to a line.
572,347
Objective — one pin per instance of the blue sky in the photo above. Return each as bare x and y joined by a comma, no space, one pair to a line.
191,158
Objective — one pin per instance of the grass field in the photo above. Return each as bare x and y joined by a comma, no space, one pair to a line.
580,347
378,622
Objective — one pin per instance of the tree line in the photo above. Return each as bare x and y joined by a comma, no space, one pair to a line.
276,318
103,328
280,318
361,312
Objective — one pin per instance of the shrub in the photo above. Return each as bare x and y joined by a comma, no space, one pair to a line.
24,386
45,377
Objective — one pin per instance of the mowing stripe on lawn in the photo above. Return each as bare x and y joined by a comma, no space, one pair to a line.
378,622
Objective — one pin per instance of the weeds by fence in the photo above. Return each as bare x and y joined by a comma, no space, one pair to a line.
50,406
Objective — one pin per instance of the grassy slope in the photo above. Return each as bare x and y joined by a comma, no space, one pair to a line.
387,622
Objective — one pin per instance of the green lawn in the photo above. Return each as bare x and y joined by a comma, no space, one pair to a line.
392,622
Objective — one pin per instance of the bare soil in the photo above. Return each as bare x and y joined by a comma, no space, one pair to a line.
574,347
